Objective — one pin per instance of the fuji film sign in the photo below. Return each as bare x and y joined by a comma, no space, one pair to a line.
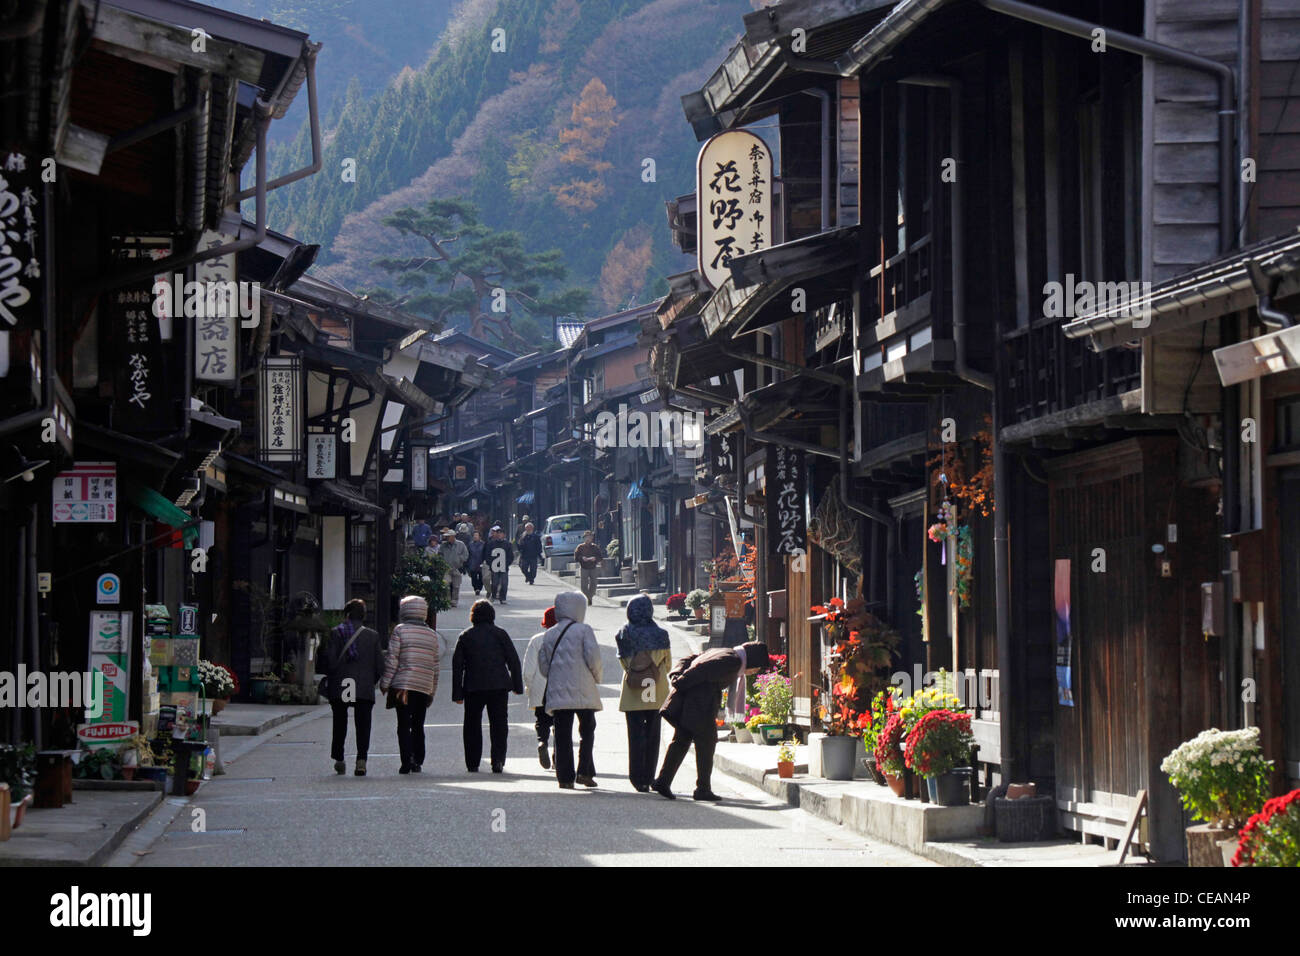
107,733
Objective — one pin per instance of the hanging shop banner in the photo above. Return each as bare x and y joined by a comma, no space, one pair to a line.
722,455
280,408
1064,694
110,656
144,393
787,524
87,493
419,467
216,334
733,186
320,456
21,220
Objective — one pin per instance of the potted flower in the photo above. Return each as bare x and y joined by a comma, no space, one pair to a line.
218,684
872,723
1222,779
776,699
676,604
1272,836
938,749
785,759
696,601
609,566
756,721
742,732
889,752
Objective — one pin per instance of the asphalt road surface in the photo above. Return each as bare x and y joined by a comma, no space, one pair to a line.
282,804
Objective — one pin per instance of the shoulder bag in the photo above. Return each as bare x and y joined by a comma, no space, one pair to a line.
552,659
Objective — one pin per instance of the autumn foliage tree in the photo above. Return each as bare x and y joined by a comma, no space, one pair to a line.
474,271
626,267
583,143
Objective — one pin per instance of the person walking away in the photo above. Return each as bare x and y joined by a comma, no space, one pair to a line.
588,557
456,555
692,709
645,651
484,670
421,534
569,659
353,661
463,529
535,689
498,556
410,677
530,551
475,563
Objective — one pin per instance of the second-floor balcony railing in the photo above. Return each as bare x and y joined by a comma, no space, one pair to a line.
1044,372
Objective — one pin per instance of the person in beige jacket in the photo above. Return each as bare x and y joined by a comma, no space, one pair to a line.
645,652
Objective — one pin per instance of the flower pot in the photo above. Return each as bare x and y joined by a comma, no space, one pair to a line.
219,704
1203,845
20,810
869,762
743,735
260,689
627,575
895,783
155,774
1228,846
785,769
951,789
837,757
699,613
772,733
128,773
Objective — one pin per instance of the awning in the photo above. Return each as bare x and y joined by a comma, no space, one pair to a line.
350,498
155,505
455,448
759,291
1215,289
636,491
527,498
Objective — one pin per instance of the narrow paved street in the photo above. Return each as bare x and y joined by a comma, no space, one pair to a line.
282,804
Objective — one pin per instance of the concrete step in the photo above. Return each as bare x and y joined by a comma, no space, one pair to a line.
619,591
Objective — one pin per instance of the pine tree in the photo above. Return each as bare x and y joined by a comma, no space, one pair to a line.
476,271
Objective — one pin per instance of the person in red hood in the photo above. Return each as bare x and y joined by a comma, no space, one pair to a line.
535,687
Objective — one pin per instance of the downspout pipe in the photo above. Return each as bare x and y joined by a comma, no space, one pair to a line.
314,119
1143,47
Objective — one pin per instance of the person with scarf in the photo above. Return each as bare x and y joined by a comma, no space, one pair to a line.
352,668
535,688
692,708
645,652
410,677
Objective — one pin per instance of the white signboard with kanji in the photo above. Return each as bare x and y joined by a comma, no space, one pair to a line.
216,337
733,189
320,456
281,409
87,493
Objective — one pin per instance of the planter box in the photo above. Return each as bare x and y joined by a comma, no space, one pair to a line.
838,755
1025,820
772,733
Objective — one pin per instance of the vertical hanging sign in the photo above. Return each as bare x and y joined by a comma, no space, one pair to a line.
733,190
20,242
143,393
216,334
320,456
787,525
280,409
419,467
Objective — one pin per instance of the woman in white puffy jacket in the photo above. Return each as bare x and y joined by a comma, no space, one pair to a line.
569,659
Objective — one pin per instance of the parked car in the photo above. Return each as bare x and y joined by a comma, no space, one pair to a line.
563,534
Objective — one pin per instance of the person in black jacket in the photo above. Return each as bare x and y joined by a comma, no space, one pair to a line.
484,669
352,669
497,557
692,708
530,549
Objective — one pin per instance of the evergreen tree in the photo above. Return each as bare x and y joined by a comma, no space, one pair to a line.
475,271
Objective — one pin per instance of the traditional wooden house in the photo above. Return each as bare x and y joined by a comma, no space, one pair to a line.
124,140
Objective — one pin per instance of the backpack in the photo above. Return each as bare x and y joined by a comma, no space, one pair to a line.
641,667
